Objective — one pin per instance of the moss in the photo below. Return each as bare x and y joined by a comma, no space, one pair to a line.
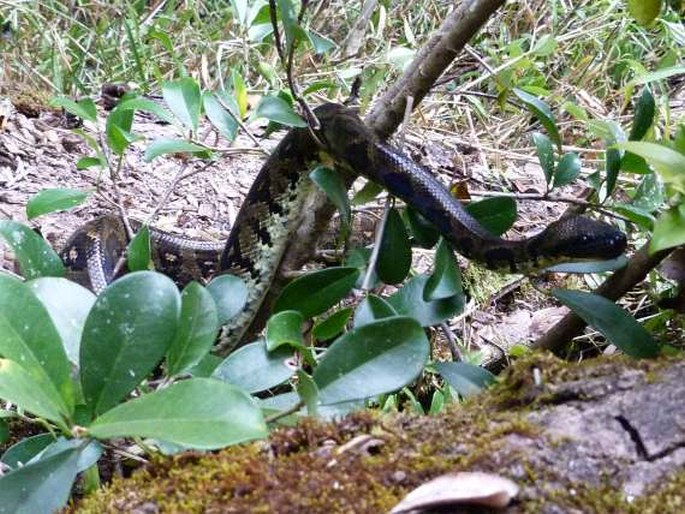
368,461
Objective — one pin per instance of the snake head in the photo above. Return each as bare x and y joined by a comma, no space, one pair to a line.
578,238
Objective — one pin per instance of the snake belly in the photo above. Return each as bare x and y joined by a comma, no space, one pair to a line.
273,209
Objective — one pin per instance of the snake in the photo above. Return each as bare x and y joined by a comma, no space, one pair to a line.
276,203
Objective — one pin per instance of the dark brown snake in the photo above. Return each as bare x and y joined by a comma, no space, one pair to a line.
274,206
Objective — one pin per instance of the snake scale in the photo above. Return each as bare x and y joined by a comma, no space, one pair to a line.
274,206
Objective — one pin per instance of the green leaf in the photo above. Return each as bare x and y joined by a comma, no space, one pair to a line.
467,379
634,164
445,281
36,395
650,193
637,215
289,20
128,331
253,368
542,112
201,413
668,163
138,254
22,452
320,43
199,323
68,305
408,301
545,151
644,11
424,232
278,110
669,229
88,162
51,200
331,183
230,295
164,146
368,192
394,256
589,266
371,309
219,116
613,166
28,336
35,257
567,169
545,46
183,98
316,292
657,75
644,116
308,392
240,91
496,214
118,130
374,359
619,327
84,109
284,328
143,104
332,326
42,486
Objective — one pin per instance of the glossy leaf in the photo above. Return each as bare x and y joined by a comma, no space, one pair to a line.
649,194
644,11
197,330
332,326
253,368
201,413
545,151
28,336
42,486
68,305
371,309
230,294
394,256
612,159
128,331
35,394
367,193
331,183
424,232
22,452
634,164
542,112
138,255
183,98
308,392
320,43
143,104
219,116
669,229
644,115
316,292
496,214
467,379
240,92
619,327
567,170
667,162
637,215
84,109
164,146
374,359
35,256
589,266
284,328
88,162
90,451
445,281
408,301
118,130
51,200
276,109
288,17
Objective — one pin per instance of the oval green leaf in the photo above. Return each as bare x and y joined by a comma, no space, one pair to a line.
371,309
278,110
84,109
222,120
669,229
51,200
567,170
496,214
35,256
467,379
143,104
183,98
545,151
667,162
424,232
619,327
164,145
22,452
68,305
644,11
374,359
253,368
128,331
331,183
284,328
445,281
644,115
394,256
316,292
409,301
202,413
332,326
542,112
139,257
197,330
230,294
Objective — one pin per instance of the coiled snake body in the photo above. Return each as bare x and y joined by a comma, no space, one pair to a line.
272,209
